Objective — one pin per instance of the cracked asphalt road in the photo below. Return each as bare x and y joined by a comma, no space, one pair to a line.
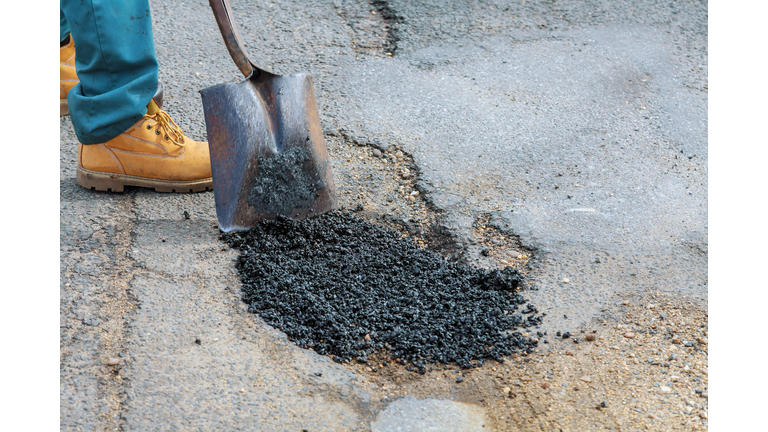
579,128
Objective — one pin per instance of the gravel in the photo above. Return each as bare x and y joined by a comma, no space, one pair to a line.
329,281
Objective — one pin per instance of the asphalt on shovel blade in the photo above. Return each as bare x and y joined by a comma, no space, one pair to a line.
268,155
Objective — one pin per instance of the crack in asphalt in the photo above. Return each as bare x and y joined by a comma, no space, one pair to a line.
394,20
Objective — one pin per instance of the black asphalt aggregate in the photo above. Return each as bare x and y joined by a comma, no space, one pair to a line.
346,287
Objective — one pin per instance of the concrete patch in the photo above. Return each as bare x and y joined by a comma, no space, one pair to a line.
423,415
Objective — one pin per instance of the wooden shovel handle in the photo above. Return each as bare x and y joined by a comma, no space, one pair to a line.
226,21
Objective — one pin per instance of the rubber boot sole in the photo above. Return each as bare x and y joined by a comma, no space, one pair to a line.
63,107
109,182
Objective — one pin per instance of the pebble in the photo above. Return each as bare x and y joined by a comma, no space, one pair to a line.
590,337
377,152
702,340
399,154
506,390
545,385
665,389
566,280
112,361
586,378
629,335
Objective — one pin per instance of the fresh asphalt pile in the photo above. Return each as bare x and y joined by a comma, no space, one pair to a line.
346,287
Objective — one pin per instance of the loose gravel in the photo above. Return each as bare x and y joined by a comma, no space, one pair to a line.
345,287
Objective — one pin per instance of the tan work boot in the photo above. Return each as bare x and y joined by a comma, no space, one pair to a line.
152,153
68,77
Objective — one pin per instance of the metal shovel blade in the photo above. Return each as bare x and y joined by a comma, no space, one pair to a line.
268,155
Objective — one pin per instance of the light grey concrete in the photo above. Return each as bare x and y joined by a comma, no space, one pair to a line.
429,415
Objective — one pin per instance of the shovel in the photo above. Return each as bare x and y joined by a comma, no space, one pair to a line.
268,155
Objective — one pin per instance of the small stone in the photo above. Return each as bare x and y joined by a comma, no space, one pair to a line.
629,335
625,303
586,378
415,193
545,385
665,389
702,340
703,415
590,337
112,361
399,154
651,306
705,395
367,337
506,390
603,404
566,280
377,152
569,353
459,379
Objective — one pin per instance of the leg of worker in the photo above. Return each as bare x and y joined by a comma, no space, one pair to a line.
67,76
63,26
126,139
116,65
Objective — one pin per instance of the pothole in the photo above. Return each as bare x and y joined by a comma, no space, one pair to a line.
382,281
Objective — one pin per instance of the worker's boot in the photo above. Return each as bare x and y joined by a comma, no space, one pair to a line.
152,153
68,77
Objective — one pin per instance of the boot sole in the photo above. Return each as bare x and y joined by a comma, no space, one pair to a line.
108,182
63,107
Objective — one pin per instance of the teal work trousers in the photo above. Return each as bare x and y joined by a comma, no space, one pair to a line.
115,62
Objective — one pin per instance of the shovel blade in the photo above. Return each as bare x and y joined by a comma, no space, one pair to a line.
268,155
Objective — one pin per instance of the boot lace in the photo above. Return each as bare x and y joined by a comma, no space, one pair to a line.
166,124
